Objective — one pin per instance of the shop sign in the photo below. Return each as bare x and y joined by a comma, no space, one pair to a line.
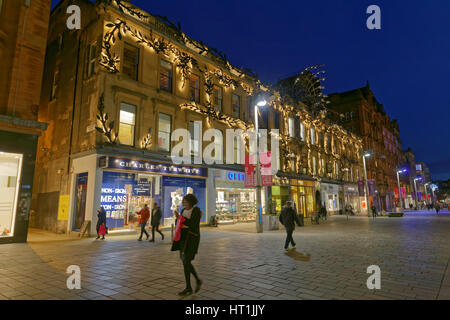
249,172
147,166
235,176
142,188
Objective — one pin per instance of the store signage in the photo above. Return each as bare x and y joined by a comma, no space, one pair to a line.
148,166
235,176
142,188
250,181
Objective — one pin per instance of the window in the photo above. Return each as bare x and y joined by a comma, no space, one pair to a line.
335,147
337,170
194,88
236,106
54,84
130,61
164,128
91,59
127,124
321,139
165,76
194,130
313,136
291,127
218,98
322,165
10,172
302,131
276,119
314,168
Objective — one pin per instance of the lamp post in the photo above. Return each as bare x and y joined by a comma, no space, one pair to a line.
399,189
366,184
259,225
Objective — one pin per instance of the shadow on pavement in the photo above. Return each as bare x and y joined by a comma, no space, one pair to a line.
298,256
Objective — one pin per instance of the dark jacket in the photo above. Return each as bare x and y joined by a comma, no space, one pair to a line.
190,237
288,218
156,217
101,217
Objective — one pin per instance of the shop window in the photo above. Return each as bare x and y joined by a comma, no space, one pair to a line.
291,127
236,106
130,61
127,124
91,60
165,76
235,204
313,136
194,130
194,88
217,98
10,171
164,129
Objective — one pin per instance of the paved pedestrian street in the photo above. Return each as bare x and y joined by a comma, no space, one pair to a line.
235,263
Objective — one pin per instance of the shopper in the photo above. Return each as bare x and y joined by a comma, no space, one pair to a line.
288,218
189,240
101,215
156,220
437,207
374,211
144,216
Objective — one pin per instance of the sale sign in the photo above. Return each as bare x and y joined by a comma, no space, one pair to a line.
250,179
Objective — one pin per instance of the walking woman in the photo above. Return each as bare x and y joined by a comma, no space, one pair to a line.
156,220
189,240
101,215
144,216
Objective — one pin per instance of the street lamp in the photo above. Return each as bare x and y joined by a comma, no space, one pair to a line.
259,225
366,184
399,191
415,189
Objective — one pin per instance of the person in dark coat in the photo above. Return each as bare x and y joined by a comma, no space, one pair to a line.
101,215
437,207
189,241
288,218
156,220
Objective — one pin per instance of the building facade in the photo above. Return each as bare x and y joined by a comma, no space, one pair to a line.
359,111
23,37
113,94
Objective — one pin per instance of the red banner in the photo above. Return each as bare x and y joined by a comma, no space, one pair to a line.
250,178
396,193
403,190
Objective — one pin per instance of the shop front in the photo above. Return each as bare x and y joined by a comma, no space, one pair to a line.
234,202
123,186
330,197
302,194
352,198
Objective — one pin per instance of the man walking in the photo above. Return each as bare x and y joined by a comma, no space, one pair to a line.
156,220
144,216
288,218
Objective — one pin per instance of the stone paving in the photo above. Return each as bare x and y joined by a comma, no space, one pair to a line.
235,263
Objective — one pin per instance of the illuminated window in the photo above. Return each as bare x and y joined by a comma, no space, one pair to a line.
314,168
127,124
194,88
10,171
165,76
218,98
291,127
302,131
322,164
164,128
236,106
130,65
313,136
91,60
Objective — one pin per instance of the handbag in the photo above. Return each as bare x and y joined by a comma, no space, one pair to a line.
177,235
102,230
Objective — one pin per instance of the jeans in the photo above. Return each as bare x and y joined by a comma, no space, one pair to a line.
289,238
157,230
144,231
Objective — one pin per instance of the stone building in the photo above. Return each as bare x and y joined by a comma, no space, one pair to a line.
359,111
23,35
113,94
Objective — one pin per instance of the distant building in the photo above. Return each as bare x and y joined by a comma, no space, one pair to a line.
23,38
359,112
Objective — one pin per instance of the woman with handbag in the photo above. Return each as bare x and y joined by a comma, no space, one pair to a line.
188,239
101,223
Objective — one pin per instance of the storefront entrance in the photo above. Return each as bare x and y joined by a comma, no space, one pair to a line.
302,196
